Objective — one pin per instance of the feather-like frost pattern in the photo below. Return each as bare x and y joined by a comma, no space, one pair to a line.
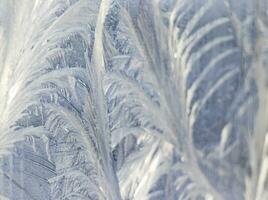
133,99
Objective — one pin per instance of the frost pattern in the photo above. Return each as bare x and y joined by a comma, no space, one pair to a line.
133,99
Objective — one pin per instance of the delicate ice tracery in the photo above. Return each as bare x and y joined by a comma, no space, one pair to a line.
130,99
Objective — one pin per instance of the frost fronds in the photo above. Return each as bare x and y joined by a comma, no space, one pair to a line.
133,99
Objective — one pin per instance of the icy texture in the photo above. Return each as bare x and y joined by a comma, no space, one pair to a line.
133,99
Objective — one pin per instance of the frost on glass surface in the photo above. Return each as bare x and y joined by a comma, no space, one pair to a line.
133,99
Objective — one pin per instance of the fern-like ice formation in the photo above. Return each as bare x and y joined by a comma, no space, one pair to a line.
133,99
